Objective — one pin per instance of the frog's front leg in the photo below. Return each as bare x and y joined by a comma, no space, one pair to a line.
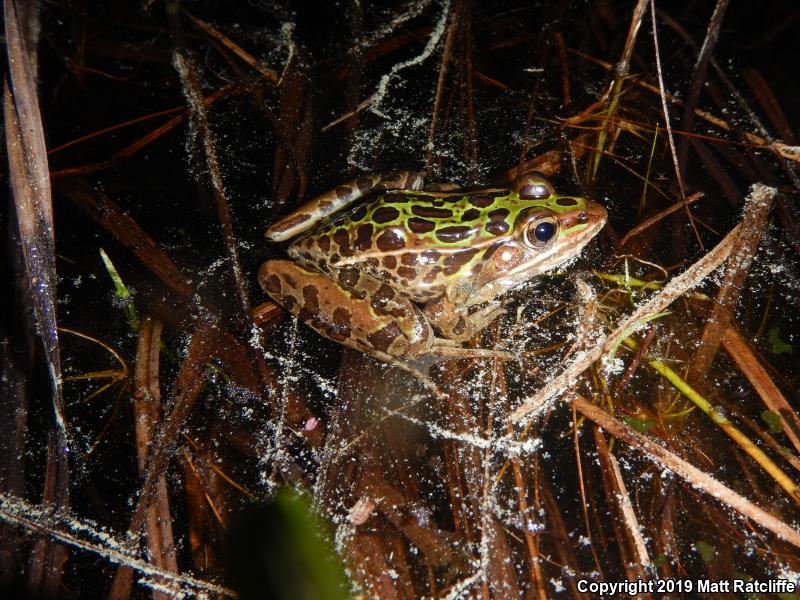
349,307
310,213
455,323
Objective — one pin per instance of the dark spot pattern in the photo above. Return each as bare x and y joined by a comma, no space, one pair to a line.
385,214
310,299
481,201
567,202
307,316
365,184
407,272
383,338
497,224
290,222
459,259
390,240
342,239
431,275
429,257
363,239
379,300
343,192
348,278
372,262
359,214
491,250
273,284
341,322
432,213
417,225
452,234
409,259
470,215
290,280
390,262
324,243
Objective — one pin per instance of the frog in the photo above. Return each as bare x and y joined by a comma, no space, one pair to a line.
401,271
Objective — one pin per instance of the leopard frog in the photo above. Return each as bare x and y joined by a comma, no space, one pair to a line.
399,276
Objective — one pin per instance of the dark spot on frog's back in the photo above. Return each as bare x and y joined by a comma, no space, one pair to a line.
429,257
383,338
456,233
390,262
430,212
497,224
324,243
385,214
409,259
363,237
481,201
567,202
342,239
417,225
310,299
390,240
470,215
407,272
348,278
359,214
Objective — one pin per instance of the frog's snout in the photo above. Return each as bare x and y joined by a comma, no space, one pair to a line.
594,214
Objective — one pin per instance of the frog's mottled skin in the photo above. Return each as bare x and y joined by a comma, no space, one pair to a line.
382,277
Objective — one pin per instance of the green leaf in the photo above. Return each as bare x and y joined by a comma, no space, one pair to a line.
773,421
640,425
778,345
705,550
122,292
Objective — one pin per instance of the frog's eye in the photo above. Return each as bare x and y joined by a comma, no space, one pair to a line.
540,232
533,186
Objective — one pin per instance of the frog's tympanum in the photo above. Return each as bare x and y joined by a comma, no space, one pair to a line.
397,276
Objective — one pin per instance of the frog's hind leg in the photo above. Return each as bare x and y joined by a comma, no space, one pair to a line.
349,307
310,213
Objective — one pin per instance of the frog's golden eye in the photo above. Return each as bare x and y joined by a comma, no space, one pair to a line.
541,232
533,186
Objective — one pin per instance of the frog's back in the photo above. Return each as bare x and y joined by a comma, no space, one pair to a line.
417,242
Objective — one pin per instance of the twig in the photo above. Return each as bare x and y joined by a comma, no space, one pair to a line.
755,214
689,473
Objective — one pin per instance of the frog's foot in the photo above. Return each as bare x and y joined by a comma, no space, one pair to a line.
320,207
349,307
457,325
